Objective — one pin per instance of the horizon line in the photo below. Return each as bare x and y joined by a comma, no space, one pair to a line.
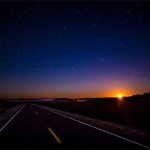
68,97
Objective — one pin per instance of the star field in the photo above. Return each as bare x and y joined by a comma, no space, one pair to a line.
74,49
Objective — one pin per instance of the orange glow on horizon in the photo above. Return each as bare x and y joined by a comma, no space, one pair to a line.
116,93
120,96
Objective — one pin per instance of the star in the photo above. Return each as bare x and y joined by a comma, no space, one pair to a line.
86,9
102,59
94,24
18,54
125,20
77,12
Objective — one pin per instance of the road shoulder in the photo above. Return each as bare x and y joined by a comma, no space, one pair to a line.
132,133
6,115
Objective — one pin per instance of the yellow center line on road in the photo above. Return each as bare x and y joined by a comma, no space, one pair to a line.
57,139
37,113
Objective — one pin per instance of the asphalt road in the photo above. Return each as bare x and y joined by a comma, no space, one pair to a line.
35,127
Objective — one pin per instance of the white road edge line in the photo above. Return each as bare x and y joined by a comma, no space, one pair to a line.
12,118
139,144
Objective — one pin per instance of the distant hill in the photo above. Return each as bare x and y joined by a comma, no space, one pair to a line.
63,100
145,96
29,100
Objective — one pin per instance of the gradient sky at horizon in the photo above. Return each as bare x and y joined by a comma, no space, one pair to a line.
74,49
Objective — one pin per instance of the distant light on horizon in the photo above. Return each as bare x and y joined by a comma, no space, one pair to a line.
120,96
88,50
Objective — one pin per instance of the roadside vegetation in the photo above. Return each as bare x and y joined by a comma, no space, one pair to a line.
134,111
6,105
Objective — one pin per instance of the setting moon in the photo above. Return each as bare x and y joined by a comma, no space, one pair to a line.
119,96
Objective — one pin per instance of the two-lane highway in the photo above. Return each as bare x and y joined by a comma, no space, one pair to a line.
35,127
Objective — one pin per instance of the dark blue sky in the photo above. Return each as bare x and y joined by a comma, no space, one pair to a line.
74,49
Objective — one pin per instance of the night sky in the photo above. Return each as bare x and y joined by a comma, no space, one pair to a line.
74,49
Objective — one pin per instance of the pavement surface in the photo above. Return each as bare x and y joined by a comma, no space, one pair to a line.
33,127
